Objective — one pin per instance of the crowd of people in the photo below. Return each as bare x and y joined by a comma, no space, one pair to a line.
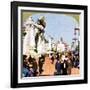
35,41
32,67
63,63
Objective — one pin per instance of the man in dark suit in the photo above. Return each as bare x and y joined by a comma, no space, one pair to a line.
58,67
41,62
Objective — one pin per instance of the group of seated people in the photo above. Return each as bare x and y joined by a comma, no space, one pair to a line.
63,63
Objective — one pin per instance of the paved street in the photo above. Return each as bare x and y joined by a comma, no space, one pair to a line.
48,67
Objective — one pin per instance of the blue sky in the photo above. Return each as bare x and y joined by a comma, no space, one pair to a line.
58,25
